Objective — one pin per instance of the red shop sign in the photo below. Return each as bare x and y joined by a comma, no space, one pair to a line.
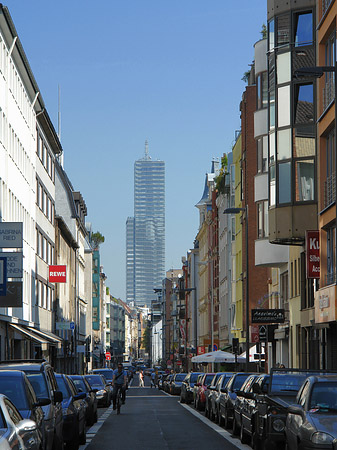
57,274
201,350
313,256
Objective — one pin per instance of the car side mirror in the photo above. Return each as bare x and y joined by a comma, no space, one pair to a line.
294,409
249,395
42,401
223,390
80,396
58,397
27,425
94,390
240,393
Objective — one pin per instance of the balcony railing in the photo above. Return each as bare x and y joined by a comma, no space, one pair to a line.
330,278
330,190
325,5
328,91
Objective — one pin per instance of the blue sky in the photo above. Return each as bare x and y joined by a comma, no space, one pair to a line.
166,71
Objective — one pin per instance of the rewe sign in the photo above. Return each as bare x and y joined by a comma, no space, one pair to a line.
313,256
57,274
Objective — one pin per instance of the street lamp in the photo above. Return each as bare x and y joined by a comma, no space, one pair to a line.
237,211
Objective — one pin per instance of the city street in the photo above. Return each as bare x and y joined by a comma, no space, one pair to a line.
152,420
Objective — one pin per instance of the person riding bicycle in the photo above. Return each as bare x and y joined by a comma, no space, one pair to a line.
119,380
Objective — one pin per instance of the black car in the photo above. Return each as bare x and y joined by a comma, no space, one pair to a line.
98,385
16,386
161,381
176,383
186,394
215,398
167,383
108,373
312,421
228,397
42,378
82,385
239,406
73,406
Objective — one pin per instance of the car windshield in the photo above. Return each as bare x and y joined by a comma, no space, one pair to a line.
239,380
61,383
225,380
324,396
80,385
194,377
287,383
39,384
95,381
14,391
180,377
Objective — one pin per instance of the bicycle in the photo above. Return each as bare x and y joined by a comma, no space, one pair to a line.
119,400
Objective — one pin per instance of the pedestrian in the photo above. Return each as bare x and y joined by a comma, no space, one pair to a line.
153,374
156,378
141,379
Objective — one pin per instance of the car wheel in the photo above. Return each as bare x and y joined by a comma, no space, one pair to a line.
182,400
57,443
235,428
215,416
227,421
83,436
244,438
220,418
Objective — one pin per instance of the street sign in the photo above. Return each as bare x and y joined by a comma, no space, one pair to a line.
11,234
263,333
14,264
57,274
63,325
179,363
13,297
72,325
215,347
312,251
268,316
108,356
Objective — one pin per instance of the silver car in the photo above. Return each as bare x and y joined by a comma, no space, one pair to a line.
16,433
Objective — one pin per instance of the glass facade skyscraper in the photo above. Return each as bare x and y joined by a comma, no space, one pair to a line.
145,232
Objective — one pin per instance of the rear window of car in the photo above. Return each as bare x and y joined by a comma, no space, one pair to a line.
194,377
180,377
63,387
95,380
80,385
239,380
14,390
38,381
225,380
287,383
208,379
106,373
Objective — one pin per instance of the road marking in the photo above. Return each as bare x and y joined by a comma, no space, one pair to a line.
94,429
145,396
223,433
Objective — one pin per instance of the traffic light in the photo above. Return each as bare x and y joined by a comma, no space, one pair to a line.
235,345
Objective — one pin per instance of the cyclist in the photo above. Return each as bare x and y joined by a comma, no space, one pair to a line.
119,380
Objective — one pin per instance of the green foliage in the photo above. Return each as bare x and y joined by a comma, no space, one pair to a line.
245,77
264,31
97,239
146,339
221,178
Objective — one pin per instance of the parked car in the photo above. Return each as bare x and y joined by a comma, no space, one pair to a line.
215,398
176,382
228,396
98,385
82,385
239,405
312,421
200,399
161,380
73,406
16,386
209,393
249,408
167,383
42,378
186,393
15,431
271,414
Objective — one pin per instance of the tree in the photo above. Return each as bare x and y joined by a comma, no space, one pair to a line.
97,239
221,178
146,340
264,31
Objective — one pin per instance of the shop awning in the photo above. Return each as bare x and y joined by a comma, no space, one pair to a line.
28,333
51,337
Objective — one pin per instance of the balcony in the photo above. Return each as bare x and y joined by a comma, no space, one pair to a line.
328,91
325,5
330,190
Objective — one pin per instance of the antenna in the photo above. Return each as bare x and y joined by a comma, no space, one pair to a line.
146,149
59,114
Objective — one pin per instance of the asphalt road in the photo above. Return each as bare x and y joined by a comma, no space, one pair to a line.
153,420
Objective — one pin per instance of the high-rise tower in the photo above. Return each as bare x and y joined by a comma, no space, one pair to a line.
145,232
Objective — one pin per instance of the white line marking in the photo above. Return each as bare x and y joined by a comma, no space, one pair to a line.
145,396
223,433
94,429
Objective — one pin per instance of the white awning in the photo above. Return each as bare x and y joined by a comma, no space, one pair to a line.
28,333
51,337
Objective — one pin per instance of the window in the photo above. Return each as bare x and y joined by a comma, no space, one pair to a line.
331,254
262,218
283,106
329,77
283,68
284,182
284,144
304,103
283,30
303,29
262,90
271,35
305,172
262,154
